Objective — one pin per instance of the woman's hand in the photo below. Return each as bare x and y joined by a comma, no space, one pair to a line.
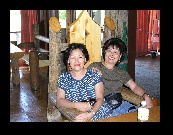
83,117
83,106
96,69
149,102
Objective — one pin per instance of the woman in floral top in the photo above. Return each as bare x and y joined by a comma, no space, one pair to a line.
81,84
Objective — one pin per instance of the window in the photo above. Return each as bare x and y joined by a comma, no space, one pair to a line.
15,26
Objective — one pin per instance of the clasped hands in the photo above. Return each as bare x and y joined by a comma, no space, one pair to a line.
85,116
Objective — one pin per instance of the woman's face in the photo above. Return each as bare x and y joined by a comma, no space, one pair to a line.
112,55
77,60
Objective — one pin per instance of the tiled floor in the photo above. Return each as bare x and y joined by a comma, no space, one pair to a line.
31,106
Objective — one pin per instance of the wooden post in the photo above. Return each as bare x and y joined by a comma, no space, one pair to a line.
54,71
45,27
34,69
132,21
15,72
35,28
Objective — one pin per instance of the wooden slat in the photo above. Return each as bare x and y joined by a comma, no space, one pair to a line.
42,38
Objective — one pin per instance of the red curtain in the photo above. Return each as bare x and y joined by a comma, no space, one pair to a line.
154,30
147,31
142,32
28,18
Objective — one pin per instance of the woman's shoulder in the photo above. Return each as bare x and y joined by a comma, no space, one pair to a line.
121,71
94,64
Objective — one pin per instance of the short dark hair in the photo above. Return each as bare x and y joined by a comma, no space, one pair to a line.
72,47
115,42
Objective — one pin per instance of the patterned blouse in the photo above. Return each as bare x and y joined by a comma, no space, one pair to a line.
79,90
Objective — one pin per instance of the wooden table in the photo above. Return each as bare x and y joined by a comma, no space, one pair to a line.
154,116
15,54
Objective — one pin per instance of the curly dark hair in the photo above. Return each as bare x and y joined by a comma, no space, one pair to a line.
119,44
72,47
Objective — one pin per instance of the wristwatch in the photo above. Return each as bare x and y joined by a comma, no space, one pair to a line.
144,95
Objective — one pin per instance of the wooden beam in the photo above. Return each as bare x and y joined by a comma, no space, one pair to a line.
42,38
45,39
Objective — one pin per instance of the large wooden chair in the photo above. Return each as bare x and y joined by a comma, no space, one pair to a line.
85,30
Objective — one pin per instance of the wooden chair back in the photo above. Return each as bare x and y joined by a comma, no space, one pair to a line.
85,30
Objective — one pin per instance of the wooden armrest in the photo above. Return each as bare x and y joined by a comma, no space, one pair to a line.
68,113
130,96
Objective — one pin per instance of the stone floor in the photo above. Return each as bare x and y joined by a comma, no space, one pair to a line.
31,106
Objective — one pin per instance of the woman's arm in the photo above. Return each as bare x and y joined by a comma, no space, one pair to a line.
139,91
99,90
62,102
